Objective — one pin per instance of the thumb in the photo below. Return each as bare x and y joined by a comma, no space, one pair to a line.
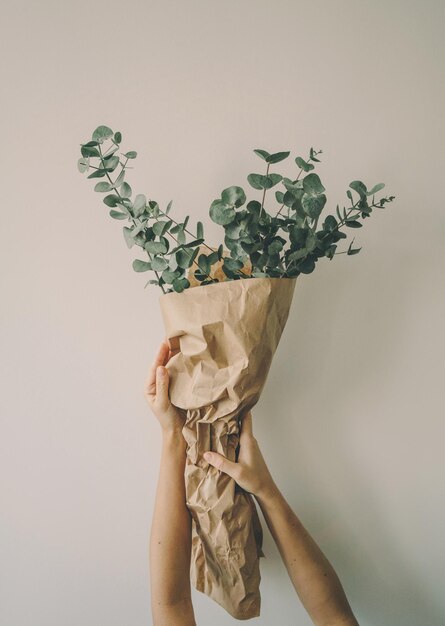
220,462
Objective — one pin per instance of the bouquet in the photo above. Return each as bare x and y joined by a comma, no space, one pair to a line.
224,309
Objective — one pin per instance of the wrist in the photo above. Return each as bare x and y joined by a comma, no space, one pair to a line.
173,435
268,493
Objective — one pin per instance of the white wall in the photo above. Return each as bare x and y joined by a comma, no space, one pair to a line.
351,419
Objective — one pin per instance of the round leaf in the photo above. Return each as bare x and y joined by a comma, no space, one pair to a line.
220,213
102,133
312,184
233,196
141,266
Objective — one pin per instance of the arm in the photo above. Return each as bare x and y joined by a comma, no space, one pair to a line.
313,577
170,541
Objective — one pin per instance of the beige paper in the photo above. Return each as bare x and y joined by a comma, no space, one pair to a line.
225,335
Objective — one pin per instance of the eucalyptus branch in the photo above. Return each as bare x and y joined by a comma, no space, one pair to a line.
276,246
117,192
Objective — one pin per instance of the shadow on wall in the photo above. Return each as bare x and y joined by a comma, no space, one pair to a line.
315,379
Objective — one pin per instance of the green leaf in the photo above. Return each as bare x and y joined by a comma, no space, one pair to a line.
330,223
119,180
169,206
139,204
233,196
312,184
118,137
200,230
131,155
111,200
125,190
101,187
275,178
233,264
179,284
83,165
141,266
117,215
156,247
88,151
313,205
375,189
158,263
353,224
159,228
100,173
277,157
304,165
258,181
275,247
111,163
169,276
102,133
129,240
279,195
220,213
262,153
359,187
183,259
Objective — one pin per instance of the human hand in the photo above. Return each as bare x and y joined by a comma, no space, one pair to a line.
250,472
156,392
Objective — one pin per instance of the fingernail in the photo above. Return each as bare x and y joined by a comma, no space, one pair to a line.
207,456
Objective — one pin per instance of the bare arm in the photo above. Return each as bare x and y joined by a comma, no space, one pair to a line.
313,577
170,541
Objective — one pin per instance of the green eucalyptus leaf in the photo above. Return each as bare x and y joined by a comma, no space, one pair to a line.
99,173
312,184
179,284
353,224
279,195
233,196
141,266
159,228
262,153
158,263
117,137
83,165
277,157
103,186
131,155
304,165
88,151
139,204
156,247
102,133
375,189
220,213
275,178
125,190
200,230
111,200
183,258
128,236
313,205
258,181
117,215
359,187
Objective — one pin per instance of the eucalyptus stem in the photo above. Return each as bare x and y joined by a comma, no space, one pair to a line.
132,218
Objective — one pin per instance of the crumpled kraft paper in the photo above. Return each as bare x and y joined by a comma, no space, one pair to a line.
223,337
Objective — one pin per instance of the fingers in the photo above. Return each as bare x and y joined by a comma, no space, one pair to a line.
221,463
162,381
161,358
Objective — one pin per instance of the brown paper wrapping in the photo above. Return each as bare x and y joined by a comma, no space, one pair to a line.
224,336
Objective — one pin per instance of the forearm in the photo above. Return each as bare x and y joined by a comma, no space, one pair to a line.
313,577
170,541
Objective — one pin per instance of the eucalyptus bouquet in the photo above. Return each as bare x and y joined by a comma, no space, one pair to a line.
224,333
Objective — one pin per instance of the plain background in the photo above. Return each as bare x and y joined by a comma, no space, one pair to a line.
351,419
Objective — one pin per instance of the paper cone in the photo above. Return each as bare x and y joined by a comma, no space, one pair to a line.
225,335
